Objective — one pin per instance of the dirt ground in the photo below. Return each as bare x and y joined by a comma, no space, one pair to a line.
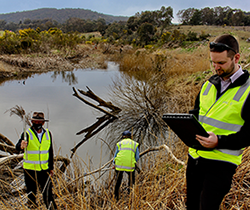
19,66
85,56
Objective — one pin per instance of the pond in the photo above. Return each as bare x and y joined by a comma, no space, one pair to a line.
51,93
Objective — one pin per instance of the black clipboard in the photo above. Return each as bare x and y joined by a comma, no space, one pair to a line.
186,126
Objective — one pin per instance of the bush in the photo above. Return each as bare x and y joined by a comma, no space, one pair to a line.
165,37
192,36
9,43
204,36
30,40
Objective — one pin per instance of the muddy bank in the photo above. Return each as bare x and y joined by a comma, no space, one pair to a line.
21,66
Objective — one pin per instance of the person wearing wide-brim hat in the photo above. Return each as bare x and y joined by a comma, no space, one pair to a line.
38,161
38,116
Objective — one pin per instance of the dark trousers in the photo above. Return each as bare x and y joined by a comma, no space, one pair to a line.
208,181
36,179
119,175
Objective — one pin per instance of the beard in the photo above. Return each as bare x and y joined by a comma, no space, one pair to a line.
228,72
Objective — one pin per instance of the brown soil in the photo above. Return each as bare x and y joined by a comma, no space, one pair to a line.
21,65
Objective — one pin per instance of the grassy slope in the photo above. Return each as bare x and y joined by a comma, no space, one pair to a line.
161,184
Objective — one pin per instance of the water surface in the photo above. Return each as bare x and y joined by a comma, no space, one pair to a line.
51,93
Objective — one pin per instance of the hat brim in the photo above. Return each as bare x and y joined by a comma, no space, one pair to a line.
42,120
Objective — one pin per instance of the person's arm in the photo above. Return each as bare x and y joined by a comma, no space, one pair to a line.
116,151
18,145
51,155
137,154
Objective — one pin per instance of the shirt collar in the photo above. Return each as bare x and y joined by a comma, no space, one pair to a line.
237,74
234,77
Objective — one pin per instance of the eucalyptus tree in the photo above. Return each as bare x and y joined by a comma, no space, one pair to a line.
185,15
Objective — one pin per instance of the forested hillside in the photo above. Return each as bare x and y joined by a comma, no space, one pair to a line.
59,15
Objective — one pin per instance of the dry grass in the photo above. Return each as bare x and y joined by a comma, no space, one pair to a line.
161,184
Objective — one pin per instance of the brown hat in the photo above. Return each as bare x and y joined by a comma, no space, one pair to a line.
38,116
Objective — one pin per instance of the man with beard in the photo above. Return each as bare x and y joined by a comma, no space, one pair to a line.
38,161
222,107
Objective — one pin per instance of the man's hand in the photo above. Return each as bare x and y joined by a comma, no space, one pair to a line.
24,144
208,142
51,172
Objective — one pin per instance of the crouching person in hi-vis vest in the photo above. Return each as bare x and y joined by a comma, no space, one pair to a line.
38,161
125,158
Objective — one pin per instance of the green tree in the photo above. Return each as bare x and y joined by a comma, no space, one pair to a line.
11,26
101,26
2,24
207,16
238,18
115,30
164,17
196,18
133,23
146,32
220,13
74,24
147,17
185,15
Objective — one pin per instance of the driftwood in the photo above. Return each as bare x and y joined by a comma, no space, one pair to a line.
6,140
111,113
10,149
102,122
7,159
164,146
151,149
15,182
7,145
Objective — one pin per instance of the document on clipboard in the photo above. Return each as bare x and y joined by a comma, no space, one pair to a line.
186,126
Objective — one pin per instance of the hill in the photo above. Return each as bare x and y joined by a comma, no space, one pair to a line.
59,15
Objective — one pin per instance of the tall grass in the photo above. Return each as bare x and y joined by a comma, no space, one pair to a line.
159,185
166,80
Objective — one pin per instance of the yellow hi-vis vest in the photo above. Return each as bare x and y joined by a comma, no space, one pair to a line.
36,156
125,158
222,116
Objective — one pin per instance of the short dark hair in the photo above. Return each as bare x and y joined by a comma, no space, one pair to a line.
230,44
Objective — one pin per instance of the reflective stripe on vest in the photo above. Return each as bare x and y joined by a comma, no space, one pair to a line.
125,159
37,153
127,148
219,124
216,116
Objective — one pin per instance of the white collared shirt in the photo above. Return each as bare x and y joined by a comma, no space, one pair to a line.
226,83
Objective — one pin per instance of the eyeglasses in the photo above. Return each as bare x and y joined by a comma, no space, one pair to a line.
220,47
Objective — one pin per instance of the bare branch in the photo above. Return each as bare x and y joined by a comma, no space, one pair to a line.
92,105
90,135
5,160
9,149
151,149
6,140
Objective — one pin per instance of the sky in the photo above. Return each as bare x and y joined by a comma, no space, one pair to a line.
120,8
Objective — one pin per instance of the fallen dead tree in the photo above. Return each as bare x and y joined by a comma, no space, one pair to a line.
102,122
111,115
151,149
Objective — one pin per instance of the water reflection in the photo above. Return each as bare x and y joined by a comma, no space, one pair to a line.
68,77
51,93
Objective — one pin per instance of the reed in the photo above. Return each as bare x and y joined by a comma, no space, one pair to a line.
165,80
